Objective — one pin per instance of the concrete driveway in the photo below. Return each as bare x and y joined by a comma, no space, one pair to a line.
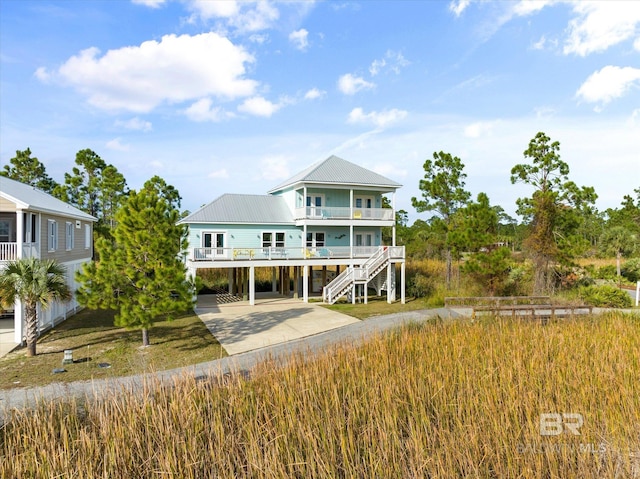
240,327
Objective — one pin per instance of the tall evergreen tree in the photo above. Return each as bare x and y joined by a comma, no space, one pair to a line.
140,273
551,209
27,169
443,193
94,187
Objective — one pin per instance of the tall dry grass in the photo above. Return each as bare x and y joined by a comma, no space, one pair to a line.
437,400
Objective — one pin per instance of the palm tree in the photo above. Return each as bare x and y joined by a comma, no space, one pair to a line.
34,282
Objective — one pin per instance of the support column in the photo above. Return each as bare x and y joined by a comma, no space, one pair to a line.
305,283
234,290
389,284
274,280
296,280
243,279
402,282
252,285
20,234
354,289
366,292
230,280
324,276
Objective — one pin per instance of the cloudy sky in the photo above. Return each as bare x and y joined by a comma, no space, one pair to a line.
235,96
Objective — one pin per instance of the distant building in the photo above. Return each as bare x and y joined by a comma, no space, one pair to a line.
330,214
35,224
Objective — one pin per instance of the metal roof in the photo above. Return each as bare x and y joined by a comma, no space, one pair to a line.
335,170
30,198
236,208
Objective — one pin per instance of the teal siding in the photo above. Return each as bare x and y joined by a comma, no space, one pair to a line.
243,236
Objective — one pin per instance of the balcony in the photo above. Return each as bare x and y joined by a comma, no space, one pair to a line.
344,213
297,254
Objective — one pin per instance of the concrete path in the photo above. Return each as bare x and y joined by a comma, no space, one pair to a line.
240,327
6,337
352,333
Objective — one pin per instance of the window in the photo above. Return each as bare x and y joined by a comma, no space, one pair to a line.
270,238
315,240
5,231
87,236
52,235
213,243
69,235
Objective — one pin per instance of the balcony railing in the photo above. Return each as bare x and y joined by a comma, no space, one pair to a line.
270,254
344,213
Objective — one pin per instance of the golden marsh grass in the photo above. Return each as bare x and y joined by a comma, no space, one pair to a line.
444,399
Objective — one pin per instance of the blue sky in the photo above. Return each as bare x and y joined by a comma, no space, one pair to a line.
234,97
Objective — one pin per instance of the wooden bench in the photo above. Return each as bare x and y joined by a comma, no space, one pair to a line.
471,301
542,311
517,306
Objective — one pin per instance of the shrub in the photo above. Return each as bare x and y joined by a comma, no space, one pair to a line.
607,272
606,296
420,286
631,270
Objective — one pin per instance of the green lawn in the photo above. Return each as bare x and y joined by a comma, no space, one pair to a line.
378,306
95,340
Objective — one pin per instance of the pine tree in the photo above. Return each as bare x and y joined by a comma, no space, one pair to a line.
140,273
29,170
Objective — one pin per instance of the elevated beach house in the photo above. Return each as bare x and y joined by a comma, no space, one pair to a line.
35,224
320,231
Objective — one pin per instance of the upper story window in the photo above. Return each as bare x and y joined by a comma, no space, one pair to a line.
69,235
52,235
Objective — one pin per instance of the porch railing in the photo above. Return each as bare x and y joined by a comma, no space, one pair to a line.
297,253
344,213
8,251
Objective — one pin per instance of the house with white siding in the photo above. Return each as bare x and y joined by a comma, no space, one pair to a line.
325,221
35,224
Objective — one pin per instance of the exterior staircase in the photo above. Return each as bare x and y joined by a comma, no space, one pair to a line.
344,282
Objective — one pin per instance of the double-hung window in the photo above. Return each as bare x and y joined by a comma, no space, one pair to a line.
52,235
273,238
69,236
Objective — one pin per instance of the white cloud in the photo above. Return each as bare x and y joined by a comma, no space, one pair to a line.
275,168
314,93
457,7
221,173
600,25
480,129
350,84
393,61
390,170
116,144
43,75
300,39
636,44
379,119
150,3
607,84
207,9
263,16
202,110
176,69
259,106
134,124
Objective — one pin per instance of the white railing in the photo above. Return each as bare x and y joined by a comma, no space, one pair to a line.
360,274
344,213
8,251
267,254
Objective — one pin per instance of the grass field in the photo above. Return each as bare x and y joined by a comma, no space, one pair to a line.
95,340
452,399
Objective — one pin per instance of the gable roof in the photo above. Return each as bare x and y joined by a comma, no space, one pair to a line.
237,208
337,171
30,198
